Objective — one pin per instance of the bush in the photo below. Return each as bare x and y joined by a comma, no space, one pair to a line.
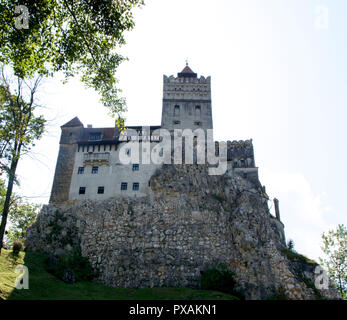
290,245
220,278
293,256
17,246
70,267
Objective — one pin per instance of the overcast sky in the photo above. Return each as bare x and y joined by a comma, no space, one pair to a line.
279,74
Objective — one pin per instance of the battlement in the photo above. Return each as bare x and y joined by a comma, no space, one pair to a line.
178,80
237,144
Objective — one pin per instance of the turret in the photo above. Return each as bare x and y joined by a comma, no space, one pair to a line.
70,134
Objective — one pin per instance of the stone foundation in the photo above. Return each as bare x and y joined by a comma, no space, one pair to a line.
190,222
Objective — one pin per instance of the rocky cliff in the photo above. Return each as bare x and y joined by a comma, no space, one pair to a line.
190,223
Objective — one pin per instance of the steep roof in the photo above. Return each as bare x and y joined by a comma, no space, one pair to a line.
187,72
75,122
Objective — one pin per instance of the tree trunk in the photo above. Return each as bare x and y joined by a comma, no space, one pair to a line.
7,203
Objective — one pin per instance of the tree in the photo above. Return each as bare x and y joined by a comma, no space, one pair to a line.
335,249
75,37
19,128
21,216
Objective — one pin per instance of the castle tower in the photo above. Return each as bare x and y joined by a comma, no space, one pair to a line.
70,134
186,101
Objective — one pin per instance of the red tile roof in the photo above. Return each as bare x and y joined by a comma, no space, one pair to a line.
187,73
187,70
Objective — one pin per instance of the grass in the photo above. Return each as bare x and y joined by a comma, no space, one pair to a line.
43,285
296,257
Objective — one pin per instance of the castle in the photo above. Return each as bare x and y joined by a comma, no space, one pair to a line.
144,223
89,166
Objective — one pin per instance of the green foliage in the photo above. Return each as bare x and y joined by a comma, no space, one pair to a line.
220,278
75,37
290,245
21,216
296,257
19,128
70,262
44,286
17,246
335,248
2,195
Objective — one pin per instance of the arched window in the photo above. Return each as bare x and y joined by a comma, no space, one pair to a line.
177,110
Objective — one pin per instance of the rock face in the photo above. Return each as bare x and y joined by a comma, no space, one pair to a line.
190,223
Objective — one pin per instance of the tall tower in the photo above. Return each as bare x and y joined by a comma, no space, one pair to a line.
70,134
186,101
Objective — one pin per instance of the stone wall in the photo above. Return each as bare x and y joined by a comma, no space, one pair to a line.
190,222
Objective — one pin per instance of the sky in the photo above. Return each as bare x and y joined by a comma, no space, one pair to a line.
279,74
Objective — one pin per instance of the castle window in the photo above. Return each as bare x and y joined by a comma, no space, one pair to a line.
80,170
243,164
128,152
177,110
135,167
94,136
82,190
177,122
197,111
197,123
245,175
136,186
124,186
101,190
95,170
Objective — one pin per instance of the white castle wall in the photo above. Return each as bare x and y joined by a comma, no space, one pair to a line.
110,175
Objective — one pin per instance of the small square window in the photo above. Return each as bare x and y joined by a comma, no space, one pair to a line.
80,170
136,186
101,190
82,190
197,123
124,186
135,167
177,122
95,170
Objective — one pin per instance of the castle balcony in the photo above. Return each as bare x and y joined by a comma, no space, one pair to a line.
96,158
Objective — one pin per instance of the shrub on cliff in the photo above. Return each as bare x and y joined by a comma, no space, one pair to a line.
70,267
220,278
16,247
